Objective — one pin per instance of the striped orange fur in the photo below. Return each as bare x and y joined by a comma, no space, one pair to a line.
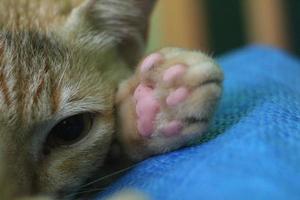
60,58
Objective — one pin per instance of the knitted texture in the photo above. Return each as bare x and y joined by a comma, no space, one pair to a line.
252,150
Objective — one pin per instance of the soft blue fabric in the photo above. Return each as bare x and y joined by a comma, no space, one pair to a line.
254,150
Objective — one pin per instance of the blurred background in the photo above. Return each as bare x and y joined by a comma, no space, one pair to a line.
218,26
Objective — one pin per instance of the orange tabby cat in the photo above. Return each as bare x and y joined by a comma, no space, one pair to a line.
68,88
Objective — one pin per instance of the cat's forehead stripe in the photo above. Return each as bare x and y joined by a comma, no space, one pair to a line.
3,84
55,98
4,88
38,91
31,63
37,82
1,48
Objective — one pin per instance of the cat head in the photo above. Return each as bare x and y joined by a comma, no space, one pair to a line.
57,86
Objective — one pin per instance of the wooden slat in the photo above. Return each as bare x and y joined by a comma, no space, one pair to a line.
182,23
266,22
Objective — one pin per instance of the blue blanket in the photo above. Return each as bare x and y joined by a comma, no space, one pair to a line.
252,150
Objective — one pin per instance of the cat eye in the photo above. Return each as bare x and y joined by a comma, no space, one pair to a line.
70,130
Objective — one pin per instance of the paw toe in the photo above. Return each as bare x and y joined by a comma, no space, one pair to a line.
177,96
150,61
173,73
173,128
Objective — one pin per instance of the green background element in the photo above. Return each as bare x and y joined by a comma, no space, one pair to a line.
226,26
293,7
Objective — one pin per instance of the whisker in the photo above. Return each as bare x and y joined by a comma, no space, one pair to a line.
109,175
98,180
86,191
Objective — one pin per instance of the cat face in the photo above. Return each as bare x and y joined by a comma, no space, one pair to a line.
57,91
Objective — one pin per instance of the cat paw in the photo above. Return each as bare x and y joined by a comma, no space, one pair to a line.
171,100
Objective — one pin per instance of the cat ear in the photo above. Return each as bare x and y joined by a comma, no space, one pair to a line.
101,24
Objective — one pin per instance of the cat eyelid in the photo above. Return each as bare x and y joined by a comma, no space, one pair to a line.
47,125
73,108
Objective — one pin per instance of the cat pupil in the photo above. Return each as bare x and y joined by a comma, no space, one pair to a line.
70,130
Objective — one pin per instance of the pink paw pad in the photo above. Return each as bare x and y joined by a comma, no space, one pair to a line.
173,73
150,61
142,91
173,128
178,96
146,108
